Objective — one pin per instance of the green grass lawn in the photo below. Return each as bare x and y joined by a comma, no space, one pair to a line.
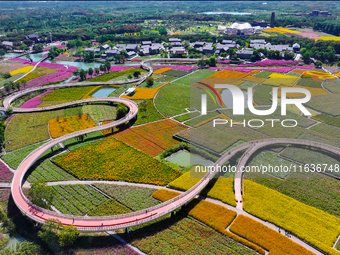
176,73
112,75
151,114
263,74
325,104
309,82
333,87
178,93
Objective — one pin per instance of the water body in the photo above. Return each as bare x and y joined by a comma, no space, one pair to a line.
103,92
227,98
230,13
185,158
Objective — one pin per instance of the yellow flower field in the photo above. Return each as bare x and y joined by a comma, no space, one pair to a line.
330,38
221,189
277,79
144,93
319,75
25,69
162,70
313,91
280,30
63,126
309,223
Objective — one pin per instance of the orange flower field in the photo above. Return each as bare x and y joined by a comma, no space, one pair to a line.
265,237
313,91
162,70
152,138
319,76
144,93
111,159
63,126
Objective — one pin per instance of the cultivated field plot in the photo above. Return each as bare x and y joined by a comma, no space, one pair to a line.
327,129
99,113
12,79
65,95
277,79
263,74
76,199
314,92
175,72
143,93
9,66
132,197
48,172
266,237
221,188
63,126
148,114
309,82
223,136
313,189
5,173
112,75
152,138
109,207
162,70
333,87
176,235
325,104
96,161
319,76
178,93
195,122
187,116
262,94
29,128
25,69
315,226
303,122
330,120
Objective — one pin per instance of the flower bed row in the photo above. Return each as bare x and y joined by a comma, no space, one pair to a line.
272,62
215,216
185,68
152,138
144,93
25,69
96,161
162,70
5,173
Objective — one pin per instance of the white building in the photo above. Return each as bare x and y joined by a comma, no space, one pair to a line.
240,29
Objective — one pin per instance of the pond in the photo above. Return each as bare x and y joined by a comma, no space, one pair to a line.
13,241
103,92
230,13
185,158
227,98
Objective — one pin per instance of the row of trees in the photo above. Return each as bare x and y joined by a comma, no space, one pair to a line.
82,73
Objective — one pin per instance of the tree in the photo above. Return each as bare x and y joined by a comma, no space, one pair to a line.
9,227
82,74
102,68
97,71
142,106
9,111
201,63
162,31
122,110
107,66
7,87
318,64
136,74
24,47
24,83
306,56
212,62
2,52
42,195
67,235
38,47
90,71
129,76
149,81
6,75
76,72
49,232
17,85
338,64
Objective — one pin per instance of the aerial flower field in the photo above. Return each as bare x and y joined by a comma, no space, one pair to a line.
162,70
144,93
25,69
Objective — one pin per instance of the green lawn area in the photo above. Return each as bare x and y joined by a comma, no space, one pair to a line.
177,234
151,114
198,120
76,199
176,73
187,116
325,104
134,198
67,94
166,78
109,207
333,87
29,128
313,189
96,161
178,93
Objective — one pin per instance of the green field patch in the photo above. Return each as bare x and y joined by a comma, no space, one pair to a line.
76,199
175,97
111,159
176,73
109,207
327,129
166,78
309,82
325,104
134,198
76,143
187,116
112,75
29,128
330,120
262,94
99,113
247,84
149,115
202,118
333,86
263,74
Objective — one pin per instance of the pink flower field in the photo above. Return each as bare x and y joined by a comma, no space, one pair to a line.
277,70
5,173
34,102
272,62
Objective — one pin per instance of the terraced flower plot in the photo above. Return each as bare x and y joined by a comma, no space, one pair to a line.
152,138
96,161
